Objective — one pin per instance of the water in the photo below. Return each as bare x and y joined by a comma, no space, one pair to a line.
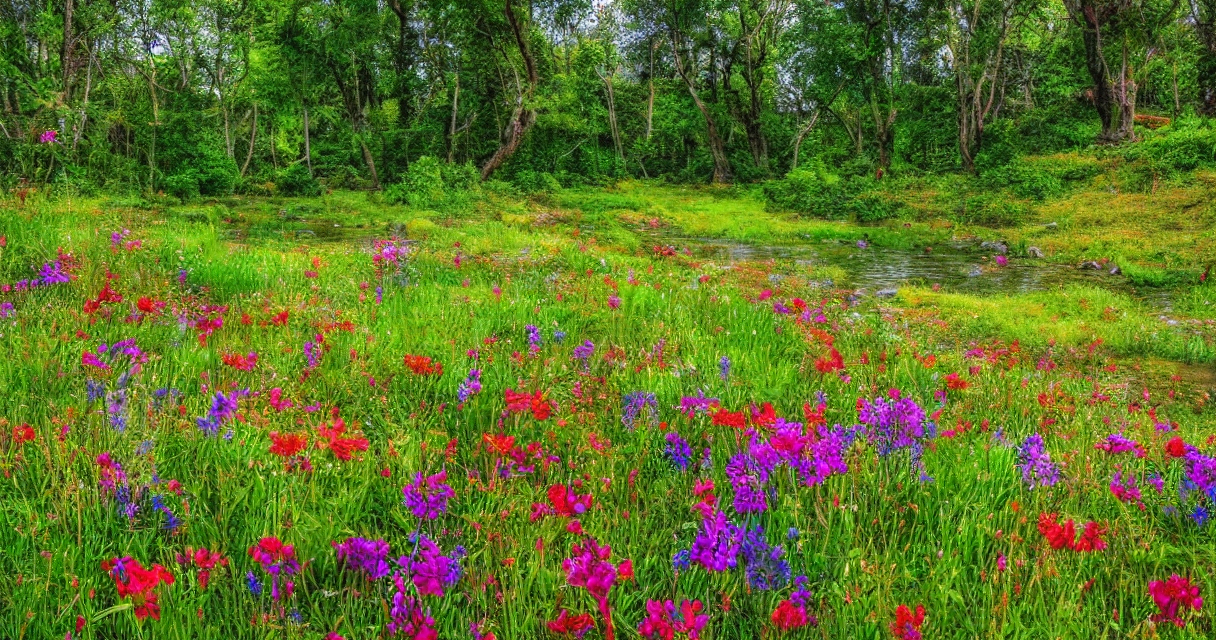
959,267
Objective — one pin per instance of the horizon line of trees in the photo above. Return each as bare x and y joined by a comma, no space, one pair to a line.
204,97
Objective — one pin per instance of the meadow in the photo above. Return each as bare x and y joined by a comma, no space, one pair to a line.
561,416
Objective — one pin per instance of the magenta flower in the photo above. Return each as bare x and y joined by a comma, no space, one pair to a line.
1172,597
590,569
427,497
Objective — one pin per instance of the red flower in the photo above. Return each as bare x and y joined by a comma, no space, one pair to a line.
954,381
287,445
1175,448
567,503
23,433
133,581
238,361
624,571
423,365
907,624
105,296
569,625
724,418
541,407
1063,536
788,616
150,305
831,362
765,416
330,437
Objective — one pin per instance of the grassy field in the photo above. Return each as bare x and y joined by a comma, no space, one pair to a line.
297,363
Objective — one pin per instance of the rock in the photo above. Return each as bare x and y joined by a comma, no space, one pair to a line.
1051,226
1091,265
1034,252
998,247
306,232
975,272
886,293
1116,271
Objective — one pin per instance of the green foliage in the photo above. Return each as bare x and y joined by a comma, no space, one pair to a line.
993,210
819,193
295,180
1179,148
431,183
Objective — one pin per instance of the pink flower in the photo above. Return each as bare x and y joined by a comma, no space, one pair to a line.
1172,596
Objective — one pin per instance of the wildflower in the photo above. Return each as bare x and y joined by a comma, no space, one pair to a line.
832,362
678,451
205,560
329,436
1063,536
1116,443
534,340
423,365
1125,490
763,564
1173,597
137,583
361,555
589,568
1035,463
22,434
252,583
584,352
427,498
724,368
1002,261
287,445
716,545
895,423
1176,447
409,619
565,502
639,406
664,620
278,401
568,625
788,616
223,408
698,404
430,570
907,624
241,362
614,301
470,386
955,382
277,560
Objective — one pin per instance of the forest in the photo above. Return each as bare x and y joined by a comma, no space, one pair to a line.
265,97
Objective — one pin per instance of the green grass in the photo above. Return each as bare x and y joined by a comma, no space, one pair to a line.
869,540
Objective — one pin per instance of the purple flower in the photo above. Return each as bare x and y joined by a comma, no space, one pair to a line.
692,405
896,423
639,405
678,451
430,570
223,408
427,498
763,564
716,546
362,555
724,368
1035,463
583,352
408,617
534,341
469,386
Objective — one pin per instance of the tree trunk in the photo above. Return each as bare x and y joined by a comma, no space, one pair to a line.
65,56
722,170
371,163
612,124
650,100
253,135
452,126
1113,104
307,143
523,116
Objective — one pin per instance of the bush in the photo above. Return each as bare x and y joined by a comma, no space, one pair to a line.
814,192
1184,147
430,182
295,180
872,206
531,182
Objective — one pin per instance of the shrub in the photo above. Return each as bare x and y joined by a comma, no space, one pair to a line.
530,182
1180,148
430,182
295,180
874,206
814,192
